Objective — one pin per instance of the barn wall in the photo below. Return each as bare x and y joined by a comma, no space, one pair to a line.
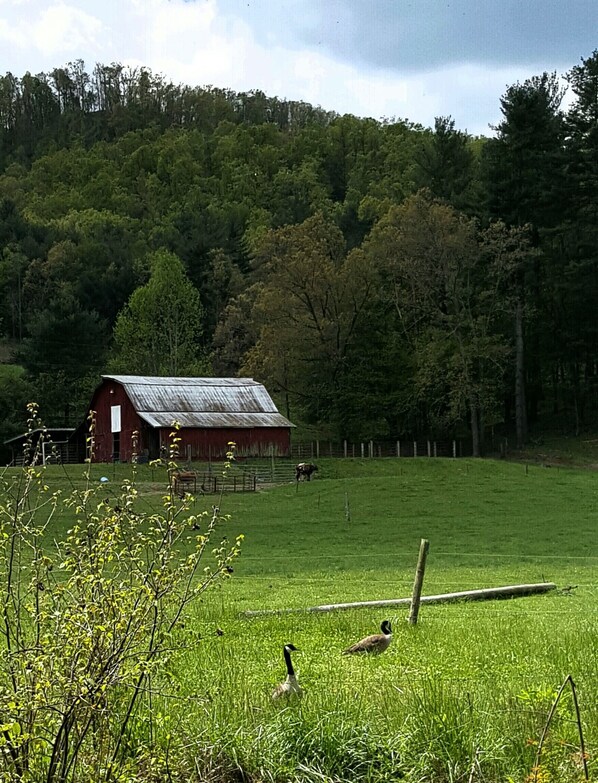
109,394
213,443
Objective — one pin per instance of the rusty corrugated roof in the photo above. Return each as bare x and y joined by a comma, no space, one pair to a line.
201,402
215,420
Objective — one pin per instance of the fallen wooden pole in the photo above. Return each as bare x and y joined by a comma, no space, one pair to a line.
509,591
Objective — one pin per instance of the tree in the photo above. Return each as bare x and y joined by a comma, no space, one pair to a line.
574,274
236,333
310,314
521,164
446,164
13,264
445,282
523,169
158,330
66,345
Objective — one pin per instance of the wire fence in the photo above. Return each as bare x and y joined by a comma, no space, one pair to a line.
370,449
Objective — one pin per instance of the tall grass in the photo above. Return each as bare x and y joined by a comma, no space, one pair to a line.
461,697
468,686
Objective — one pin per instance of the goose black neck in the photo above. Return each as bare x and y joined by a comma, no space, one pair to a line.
287,657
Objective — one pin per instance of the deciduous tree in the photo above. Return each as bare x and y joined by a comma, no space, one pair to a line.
158,331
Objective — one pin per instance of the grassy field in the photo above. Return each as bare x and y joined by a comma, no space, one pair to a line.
462,696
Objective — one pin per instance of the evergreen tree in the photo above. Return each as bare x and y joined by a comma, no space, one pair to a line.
446,164
522,170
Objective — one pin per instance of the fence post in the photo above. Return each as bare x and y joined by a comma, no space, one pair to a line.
272,462
317,449
415,448
398,448
353,449
419,580
454,449
435,450
371,449
345,449
362,450
429,449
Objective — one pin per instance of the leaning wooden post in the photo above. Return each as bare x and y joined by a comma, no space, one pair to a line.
419,580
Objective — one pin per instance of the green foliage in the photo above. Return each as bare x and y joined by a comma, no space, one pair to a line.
446,286
309,311
15,392
89,622
446,165
98,170
158,331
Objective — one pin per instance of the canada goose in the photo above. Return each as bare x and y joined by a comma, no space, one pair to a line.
290,687
376,643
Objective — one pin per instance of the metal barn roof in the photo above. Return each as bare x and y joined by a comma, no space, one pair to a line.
201,402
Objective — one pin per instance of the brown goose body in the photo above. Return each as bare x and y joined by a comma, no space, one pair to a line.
374,644
290,686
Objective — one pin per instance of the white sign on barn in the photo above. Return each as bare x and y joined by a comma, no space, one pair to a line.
115,418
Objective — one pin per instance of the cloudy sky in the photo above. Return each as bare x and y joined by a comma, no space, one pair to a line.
413,59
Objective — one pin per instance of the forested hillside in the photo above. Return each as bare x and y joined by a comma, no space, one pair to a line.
383,280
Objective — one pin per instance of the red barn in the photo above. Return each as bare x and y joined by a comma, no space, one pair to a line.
211,412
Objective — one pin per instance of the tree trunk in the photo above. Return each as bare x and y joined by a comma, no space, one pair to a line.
577,407
520,409
475,429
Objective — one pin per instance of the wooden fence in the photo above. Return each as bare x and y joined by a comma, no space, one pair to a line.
217,482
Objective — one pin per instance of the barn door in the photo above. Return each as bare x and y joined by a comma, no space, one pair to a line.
115,428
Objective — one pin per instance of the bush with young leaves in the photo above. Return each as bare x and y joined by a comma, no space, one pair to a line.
90,621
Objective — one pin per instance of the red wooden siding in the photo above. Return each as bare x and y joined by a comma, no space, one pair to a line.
213,443
109,394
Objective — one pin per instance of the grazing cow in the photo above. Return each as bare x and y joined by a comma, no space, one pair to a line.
305,469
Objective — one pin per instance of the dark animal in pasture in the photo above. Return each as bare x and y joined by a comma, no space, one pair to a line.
374,644
304,470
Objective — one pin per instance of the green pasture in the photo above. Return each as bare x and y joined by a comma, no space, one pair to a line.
462,696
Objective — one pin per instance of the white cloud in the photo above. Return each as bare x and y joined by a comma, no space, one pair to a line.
65,30
12,35
195,42
43,31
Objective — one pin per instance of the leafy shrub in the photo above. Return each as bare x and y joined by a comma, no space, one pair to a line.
89,623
